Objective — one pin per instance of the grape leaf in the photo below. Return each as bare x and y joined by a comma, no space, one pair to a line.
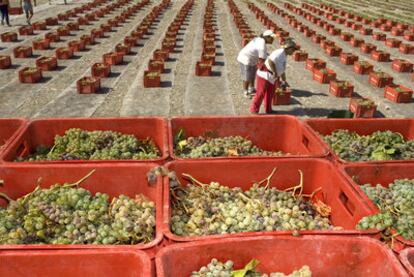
251,266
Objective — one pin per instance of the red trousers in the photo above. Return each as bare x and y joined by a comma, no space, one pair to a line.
264,91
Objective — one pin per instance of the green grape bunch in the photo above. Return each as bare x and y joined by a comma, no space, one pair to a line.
69,214
379,146
208,209
396,208
219,269
78,144
200,147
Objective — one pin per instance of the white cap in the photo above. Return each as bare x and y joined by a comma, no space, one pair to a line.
269,33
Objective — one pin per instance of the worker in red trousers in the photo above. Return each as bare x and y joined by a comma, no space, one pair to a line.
268,77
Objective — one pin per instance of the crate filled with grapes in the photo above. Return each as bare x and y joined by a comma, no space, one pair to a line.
283,256
80,140
206,200
72,263
389,190
367,140
223,137
72,207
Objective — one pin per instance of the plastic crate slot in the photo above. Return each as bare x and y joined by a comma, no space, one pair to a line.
305,141
346,203
23,150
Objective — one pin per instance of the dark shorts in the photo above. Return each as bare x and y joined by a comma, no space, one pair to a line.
27,7
248,72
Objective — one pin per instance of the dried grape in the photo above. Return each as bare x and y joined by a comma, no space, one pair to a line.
77,144
396,208
219,269
69,214
380,145
199,147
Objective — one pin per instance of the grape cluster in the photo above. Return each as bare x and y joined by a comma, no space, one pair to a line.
396,205
77,144
380,145
218,269
210,209
199,147
64,214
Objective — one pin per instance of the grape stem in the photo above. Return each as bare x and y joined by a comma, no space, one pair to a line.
194,180
267,179
300,186
81,180
312,194
6,197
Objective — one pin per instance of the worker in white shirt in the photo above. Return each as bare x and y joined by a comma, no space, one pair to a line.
269,75
250,56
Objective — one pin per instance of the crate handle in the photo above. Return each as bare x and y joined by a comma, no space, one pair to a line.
350,207
23,149
305,141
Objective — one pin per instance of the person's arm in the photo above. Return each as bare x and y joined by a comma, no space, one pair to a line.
273,68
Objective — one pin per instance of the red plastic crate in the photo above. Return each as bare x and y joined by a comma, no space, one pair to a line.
362,126
127,179
9,128
74,263
43,131
383,174
294,138
326,256
407,259
347,206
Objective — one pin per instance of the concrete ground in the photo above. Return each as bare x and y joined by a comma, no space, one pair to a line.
182,93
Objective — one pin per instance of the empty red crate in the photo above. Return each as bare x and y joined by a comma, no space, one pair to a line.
127,179
73,263
382,174
43,132
294,138
347,206
336,256
363,126
407,259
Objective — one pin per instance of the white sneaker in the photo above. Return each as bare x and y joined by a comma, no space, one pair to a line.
252,90
247,94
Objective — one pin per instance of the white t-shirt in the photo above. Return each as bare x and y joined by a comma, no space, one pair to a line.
278,57
254,50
